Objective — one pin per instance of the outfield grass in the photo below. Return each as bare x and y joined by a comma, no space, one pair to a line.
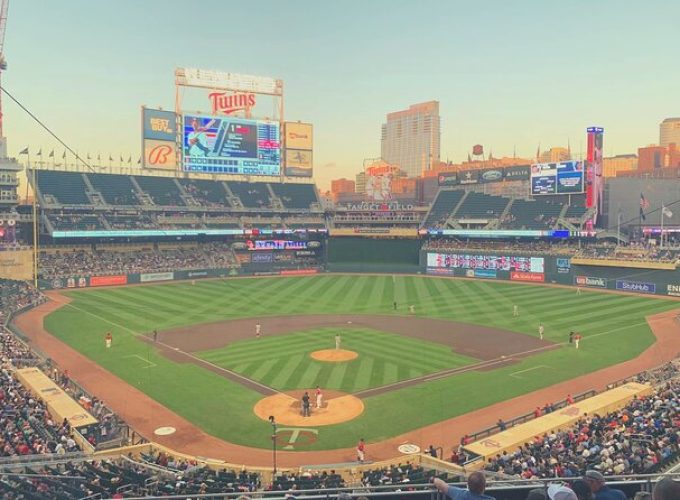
284,363
613,326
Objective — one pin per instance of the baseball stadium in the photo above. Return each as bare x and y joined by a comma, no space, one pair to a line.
210,324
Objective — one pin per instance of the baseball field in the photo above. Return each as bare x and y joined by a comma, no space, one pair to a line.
461,350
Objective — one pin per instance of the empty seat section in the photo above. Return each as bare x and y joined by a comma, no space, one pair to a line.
116,189
67,187
482,206
532,214
443,206
251,194
207,193
163,190
295,195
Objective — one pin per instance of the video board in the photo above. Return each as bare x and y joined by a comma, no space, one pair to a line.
228,145
497,262
564,177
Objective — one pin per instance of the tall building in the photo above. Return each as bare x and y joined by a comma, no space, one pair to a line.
360,183
555,155
669,132
411,138
620,163
340,186
651,157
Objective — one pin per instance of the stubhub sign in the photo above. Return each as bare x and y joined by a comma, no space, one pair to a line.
635,286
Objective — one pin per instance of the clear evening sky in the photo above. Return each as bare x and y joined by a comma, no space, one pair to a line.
507,73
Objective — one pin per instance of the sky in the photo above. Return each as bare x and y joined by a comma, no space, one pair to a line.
508,75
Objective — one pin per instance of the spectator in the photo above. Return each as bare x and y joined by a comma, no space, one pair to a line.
666,489
476,486
600,490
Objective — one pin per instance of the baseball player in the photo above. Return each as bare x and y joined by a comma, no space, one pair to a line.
258,330
361,450
338,340
577,339
515,311
319,397
108,339
541,330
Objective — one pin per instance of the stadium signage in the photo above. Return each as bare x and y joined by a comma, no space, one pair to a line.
673,290
148,277
120,279
524,276
492,176
591,281
563,266
378,207
447,179
225,103
635,286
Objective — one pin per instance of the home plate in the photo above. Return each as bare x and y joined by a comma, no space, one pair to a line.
164,431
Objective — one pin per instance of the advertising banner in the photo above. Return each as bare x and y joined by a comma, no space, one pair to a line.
517,173
159,125
495,262
485,273
149,277
262,257
563,265
594,178
447,179
229,145
298,135
76,281
523,276
468,177
590,281
120,279
16,264
441,271
297,272
673,290
161,155
491,175
298,163
635,286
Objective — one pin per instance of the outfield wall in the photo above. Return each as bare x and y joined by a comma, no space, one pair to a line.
547,268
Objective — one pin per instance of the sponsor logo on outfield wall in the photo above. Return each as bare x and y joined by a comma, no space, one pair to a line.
120,279
147,277
440,270
591,281
293,272
673,290
523,276
563,266
635,286
485,273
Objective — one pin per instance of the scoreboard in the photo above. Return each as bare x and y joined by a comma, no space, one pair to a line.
564,177
227,145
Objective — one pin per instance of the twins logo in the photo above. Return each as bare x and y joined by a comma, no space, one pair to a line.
159,155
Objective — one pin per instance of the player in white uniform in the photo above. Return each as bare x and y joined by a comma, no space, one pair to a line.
541,330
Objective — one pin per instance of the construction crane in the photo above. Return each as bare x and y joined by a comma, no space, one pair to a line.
3,64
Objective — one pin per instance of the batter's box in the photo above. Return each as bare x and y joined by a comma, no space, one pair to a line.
145,362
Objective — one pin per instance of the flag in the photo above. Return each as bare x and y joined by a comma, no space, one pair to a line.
40,152
666,212
51,155
130,160
121,158
24,151
110,158
64,155
644,205
538,152
139,160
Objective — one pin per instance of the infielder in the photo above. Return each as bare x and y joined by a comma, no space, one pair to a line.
541,330
108,339
258,330
515,311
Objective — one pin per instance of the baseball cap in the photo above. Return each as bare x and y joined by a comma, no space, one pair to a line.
559,492
593,474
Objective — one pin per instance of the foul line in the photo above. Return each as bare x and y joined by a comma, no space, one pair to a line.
151,365
514,374
172,348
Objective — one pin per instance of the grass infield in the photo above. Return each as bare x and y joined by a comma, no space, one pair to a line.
613,327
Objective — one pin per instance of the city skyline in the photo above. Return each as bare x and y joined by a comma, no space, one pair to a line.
85,69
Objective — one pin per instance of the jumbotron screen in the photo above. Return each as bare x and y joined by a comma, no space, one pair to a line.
497,262
227,145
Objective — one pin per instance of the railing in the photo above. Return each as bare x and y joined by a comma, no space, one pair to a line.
526,417
18,461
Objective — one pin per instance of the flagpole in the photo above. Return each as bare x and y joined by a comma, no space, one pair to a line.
35,226
662,214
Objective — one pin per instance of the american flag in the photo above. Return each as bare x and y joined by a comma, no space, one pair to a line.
644,205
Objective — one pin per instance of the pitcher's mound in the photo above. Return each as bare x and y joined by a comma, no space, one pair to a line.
334,355
337,407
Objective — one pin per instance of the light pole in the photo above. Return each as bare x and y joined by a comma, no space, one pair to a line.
272,421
